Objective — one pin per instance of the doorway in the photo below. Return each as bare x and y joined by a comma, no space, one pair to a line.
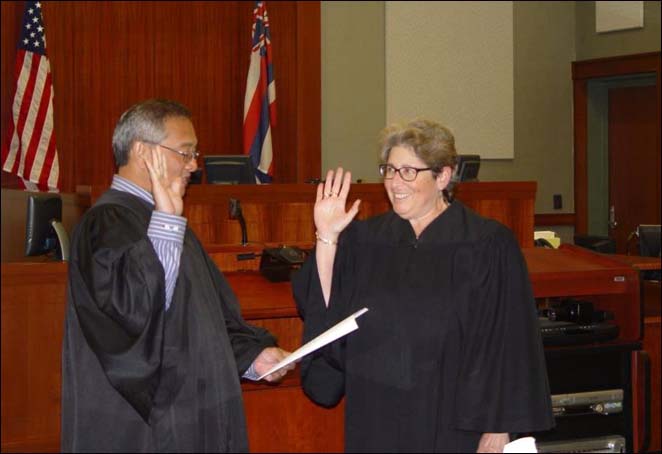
592,163
622,156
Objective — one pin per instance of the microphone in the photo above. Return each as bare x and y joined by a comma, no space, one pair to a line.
235,213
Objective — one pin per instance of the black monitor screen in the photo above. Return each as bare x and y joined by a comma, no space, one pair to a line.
229,169
649,240
467,167
43,227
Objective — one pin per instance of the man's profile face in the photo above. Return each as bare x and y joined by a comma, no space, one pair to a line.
180,136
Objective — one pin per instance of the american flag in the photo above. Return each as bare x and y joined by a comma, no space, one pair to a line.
260,100
29,149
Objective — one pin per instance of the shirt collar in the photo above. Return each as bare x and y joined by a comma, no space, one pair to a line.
125,185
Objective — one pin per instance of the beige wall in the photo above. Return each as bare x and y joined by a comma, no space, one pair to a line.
547,37
543,49
453,62
597,45
353,101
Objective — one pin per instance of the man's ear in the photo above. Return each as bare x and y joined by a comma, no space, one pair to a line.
137,153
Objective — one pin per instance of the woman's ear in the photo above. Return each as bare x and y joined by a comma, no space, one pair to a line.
444,177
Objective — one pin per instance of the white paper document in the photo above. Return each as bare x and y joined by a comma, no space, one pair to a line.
336,332
526,444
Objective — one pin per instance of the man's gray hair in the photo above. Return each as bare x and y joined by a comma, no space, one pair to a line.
144,122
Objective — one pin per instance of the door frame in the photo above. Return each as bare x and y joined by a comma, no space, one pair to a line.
582,72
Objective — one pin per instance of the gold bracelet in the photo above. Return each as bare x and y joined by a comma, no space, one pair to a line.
325,240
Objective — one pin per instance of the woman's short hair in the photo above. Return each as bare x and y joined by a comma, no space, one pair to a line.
144,122
433,143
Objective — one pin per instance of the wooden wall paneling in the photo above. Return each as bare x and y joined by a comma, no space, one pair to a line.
282,16
12,12
509,203
114,68
61,46
288,330
284,212
31,342
107,56
652,325
33,303
196,61
259,222
225,256
206,208
198,215
296,221
304,427
548,219
309,92
11,17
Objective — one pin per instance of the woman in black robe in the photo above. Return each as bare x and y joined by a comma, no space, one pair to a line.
448,357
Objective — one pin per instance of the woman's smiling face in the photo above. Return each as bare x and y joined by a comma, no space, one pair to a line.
412,200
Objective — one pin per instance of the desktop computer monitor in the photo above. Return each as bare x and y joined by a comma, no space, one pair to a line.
649,240
44,232
466,168
229,169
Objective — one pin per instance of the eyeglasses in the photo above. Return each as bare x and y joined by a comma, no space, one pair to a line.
188,156
406,173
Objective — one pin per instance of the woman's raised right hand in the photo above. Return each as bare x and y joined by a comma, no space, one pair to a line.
330,215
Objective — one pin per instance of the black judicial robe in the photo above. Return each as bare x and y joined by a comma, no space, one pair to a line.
134,376
450,346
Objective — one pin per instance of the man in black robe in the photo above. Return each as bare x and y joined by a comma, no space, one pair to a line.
154,344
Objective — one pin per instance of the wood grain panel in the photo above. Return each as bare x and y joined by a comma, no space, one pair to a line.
296,221
33,302
62,45
304,427
113,62
284,212
284,36
280,417
199,44
549,219
12,12
106,56
652,343
288,331
571,271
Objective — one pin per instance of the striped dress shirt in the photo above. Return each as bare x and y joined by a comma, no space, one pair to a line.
166,232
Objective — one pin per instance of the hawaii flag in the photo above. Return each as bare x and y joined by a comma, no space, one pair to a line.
29,149
260,100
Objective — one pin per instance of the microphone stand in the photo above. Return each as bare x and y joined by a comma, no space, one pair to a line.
236,213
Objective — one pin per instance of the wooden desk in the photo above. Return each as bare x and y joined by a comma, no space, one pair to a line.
652,338
638,262
610,284
284,212
280,417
